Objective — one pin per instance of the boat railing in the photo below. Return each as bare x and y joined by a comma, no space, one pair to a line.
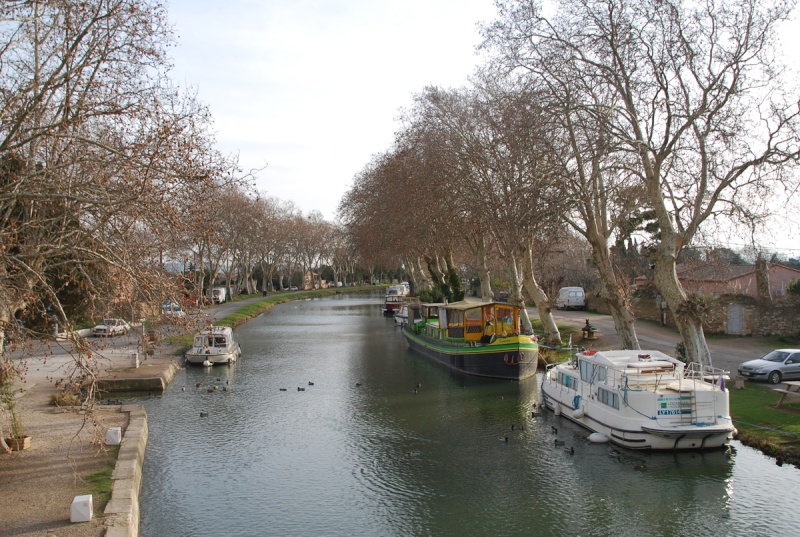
694,375
705,373
638,379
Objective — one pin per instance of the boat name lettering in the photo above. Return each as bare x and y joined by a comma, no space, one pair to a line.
669,412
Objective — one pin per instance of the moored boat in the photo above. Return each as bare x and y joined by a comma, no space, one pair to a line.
407,309
641,399
214,345
392,304
478,338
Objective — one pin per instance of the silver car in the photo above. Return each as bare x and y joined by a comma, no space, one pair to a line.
778,365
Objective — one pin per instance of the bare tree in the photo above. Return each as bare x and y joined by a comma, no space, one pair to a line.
698,105
503,176
95,147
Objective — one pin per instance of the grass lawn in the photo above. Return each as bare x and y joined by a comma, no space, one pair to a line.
776,431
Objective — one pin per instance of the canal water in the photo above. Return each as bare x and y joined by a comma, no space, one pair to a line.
387,443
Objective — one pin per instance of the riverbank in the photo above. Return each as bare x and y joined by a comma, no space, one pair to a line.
68,456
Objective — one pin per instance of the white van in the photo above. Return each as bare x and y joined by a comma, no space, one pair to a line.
218,295
571,298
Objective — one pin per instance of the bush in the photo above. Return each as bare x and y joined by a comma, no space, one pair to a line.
793,288
66,397
680,352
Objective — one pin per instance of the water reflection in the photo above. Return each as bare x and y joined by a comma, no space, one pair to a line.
386,442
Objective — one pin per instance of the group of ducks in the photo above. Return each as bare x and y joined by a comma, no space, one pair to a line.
212,388
557,442
299,388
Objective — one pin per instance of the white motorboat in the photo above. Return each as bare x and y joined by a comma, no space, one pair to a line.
214,345
641,399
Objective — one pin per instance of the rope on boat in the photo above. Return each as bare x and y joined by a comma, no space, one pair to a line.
573,348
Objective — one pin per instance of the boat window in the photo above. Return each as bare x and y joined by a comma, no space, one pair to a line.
608,398
505,320
568,380
601,373
219,341
586,370
592,372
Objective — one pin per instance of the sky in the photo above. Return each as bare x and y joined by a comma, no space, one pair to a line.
310,90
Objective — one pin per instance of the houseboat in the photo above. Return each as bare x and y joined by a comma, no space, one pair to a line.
641,399
214,345
477,338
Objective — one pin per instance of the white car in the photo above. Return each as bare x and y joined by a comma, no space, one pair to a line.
111,327
172,309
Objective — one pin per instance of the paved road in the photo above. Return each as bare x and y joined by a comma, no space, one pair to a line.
44,362
727,352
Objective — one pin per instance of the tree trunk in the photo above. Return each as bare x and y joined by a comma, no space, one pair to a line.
425,281
762,280
539,297
614,294
686,310
483,270
516,295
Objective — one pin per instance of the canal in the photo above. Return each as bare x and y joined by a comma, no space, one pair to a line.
328,425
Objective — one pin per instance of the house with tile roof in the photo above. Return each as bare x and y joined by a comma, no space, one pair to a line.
721,279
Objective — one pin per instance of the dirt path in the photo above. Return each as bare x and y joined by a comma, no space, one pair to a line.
39,483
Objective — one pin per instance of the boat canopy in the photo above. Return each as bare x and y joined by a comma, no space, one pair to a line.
474,321
216,337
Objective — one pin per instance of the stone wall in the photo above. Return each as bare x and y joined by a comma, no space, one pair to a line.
759,318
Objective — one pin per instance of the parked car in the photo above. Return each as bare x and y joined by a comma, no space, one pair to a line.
774,367
172,309
293,288
111,327
502,296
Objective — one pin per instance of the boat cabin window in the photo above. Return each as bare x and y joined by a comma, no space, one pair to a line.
608,398
506,320
210,341
473,324
592,372
568,380
453,322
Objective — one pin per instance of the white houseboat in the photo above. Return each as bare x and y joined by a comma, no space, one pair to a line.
641,399
214,345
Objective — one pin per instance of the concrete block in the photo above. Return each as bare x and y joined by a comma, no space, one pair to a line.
114,436
81,510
